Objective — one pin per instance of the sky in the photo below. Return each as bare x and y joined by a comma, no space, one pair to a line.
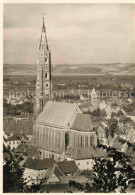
77,33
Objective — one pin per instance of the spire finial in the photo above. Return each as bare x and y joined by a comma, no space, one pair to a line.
43,21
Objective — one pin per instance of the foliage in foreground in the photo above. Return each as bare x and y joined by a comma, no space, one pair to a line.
110,174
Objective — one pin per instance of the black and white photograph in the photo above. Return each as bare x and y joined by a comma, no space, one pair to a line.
68,98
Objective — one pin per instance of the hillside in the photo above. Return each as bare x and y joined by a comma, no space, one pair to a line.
76,69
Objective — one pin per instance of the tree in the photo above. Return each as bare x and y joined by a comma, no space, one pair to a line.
110,173
103,113
113,126
96,112
13,176
105,179
107,132
113,172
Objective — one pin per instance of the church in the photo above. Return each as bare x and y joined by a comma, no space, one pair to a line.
58,126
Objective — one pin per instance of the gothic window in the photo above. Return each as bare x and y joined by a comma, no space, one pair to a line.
45,75
91,140
81,141
86,141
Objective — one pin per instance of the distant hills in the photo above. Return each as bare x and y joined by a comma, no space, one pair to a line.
74,69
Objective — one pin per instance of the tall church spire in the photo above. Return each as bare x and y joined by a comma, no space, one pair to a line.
43,82
43,35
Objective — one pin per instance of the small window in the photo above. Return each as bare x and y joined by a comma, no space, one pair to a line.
46,85
87,163
45,75
45,59
78,163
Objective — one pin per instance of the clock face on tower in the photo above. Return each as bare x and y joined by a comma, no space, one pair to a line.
46,85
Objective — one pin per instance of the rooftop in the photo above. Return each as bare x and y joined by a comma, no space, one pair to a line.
54,170
86,153
39,164
58,114
82,122
67,167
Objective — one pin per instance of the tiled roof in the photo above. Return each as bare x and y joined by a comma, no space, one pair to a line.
58,114
82,122
54,170
86,153
39,164
67,167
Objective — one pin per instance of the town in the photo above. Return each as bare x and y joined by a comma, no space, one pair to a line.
74,136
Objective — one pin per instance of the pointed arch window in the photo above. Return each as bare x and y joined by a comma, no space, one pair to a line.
46,75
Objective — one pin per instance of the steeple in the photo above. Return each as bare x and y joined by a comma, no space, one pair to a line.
43,39
43,82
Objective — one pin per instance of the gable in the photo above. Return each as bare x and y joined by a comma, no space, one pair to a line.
53,178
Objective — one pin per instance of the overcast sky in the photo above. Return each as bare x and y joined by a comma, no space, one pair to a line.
77,33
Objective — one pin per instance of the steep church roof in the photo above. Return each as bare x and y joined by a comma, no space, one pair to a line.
82,122
58,114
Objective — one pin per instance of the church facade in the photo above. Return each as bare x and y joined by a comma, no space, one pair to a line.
58,126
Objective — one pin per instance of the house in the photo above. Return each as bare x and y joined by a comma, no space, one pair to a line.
13,142
83,157
35,169
131,115
84,97
131,135
67,167
53,174
101,133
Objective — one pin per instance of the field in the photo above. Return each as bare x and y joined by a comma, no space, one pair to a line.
101,77
76,69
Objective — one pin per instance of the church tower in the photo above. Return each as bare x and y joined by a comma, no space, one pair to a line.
43,81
